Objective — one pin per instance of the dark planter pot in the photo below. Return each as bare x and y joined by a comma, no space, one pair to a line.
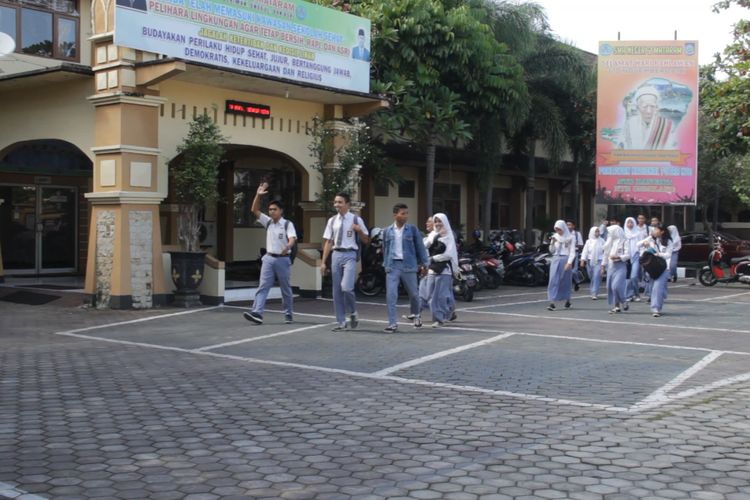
187,274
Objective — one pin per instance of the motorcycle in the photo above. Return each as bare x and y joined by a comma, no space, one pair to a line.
464,280
722,269
371,280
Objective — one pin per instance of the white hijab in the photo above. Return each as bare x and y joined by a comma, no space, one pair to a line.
566,236
615,241
447,237
633,232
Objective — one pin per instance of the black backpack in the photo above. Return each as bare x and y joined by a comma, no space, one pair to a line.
293,251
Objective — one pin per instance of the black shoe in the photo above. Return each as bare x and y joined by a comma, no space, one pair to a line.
353,321
625,306
288,319
390,329
551,307
417,322
453,317
254,317
567,304
576,287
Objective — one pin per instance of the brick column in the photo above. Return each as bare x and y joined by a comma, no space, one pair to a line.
124,267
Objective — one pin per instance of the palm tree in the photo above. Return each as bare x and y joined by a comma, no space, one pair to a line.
555,74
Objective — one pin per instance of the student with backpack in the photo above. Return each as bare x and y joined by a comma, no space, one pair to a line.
276,264
345,232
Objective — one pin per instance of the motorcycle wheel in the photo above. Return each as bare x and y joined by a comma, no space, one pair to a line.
468,294
495,281
706,277
368,285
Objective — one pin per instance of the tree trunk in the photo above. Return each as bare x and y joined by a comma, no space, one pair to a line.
575,194
530,182
430,165
715,214
188,230
487,210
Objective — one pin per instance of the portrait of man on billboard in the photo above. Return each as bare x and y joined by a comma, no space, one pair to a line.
360,51
654,111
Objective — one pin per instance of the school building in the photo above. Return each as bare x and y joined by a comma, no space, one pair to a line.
97,96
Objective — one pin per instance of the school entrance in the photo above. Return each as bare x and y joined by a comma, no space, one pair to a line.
43,215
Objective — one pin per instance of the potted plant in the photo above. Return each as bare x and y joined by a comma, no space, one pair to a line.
194,176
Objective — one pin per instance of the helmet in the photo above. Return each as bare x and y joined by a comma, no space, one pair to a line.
376,237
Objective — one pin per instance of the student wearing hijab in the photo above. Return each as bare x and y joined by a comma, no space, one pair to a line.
632,237
562,248
443,261
616,255
591,259
674,235
660,244
427,283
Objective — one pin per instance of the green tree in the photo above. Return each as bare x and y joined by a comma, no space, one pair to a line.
517,26
555,74
724,131
442,65
195,176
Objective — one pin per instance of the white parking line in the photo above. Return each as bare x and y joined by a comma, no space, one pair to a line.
661,395
438,355
139,320
561,317
658,398
10,491
262,337
723,297
518,395
693,392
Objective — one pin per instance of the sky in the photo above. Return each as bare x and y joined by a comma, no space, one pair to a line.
585,22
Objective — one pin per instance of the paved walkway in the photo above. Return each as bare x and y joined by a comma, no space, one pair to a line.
511,401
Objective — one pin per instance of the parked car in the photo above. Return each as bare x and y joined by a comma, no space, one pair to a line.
696,246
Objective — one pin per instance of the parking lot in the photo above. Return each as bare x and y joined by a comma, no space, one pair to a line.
473,409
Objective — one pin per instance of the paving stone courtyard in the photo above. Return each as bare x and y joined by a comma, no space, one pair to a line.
510,401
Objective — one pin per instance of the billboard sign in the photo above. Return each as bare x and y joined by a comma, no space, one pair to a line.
647,123
289,39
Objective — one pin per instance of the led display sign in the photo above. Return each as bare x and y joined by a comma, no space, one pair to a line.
248,109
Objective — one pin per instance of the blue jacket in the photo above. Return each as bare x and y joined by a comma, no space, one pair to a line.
413,249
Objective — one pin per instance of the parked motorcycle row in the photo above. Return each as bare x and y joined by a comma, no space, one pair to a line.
503,261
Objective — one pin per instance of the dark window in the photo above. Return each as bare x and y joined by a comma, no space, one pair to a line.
447,199
406,189
282,188
44,28
381,187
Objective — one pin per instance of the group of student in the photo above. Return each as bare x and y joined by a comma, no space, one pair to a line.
618,250
406,256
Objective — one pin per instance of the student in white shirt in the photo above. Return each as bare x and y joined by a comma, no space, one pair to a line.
660,244
275,264
591,258
345,232
632,237
616,255
562,248
443,264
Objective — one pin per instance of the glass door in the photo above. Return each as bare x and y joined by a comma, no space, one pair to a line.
38,229
57,229
18,228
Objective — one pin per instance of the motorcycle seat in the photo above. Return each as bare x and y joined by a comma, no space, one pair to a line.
735,260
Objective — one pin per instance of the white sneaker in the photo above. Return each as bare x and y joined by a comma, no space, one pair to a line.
594,297
410,317
437,324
